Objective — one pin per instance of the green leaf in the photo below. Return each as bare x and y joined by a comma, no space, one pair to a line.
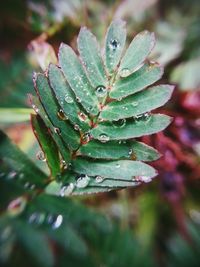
138,103
35,243
63,149
114,44
137,52
66,98
132,128
118,150
22,170
90,54
47,144
121,169
62,128
14,115
137,81
77,79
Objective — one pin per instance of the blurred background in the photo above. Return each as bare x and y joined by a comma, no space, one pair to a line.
156,224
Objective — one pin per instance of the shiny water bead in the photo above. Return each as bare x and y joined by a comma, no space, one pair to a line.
36,218
68,99
117,165
86,138
40,155
101,91
36,109
78,99
124,72
103,138
11,175
67,190
114,44
82,181
134,104
76,127
54,220
57,130
99,179
82,116
143,117
145,179
61,115
119,123
29,186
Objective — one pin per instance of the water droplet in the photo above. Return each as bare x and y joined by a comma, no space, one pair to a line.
57,130
36,218
117,165
21,176
99,179
145,179
68,99
134,104
86,138
30,186
40,155
124,72
11,175
82,116
101,91
61,115
82,181
130,151
54,220
119,99
143,117
64,164
76,127
120,123
114,44
103,138
78,99
66,190
36,109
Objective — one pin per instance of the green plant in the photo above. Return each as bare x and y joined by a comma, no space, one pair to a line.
94,109
89,114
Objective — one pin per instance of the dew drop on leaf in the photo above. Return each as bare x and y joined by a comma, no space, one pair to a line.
76,127
68,99
145,179
82,181
99,179
117,165
29,185
61,115
143,117
103,138
66,190
36,218
134,104
82,116
41,156
101,91
119,123
57,130
78,99
86,138
114,44
124,72
55,220
11,175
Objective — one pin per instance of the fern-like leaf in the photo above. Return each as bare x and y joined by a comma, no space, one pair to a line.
95,106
